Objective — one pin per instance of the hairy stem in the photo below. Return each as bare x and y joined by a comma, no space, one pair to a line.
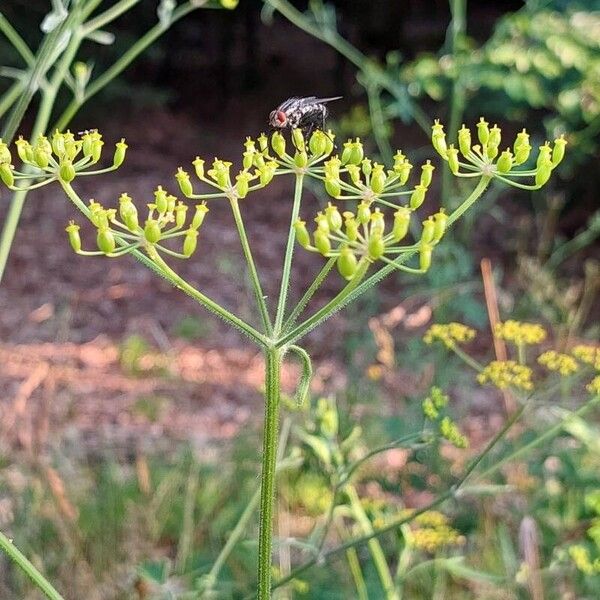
269,461
289,253
258,292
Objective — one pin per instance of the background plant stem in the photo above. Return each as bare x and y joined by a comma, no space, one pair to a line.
23,563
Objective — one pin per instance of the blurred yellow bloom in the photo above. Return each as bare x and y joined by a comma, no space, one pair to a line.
505,373
520,333
556,361
588,354
449,334
593,387
582,560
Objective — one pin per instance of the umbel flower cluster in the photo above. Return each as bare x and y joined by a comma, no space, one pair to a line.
370,221
516,374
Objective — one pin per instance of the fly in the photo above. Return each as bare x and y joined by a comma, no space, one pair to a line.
306,114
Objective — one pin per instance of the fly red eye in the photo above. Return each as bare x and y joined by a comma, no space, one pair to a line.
281,117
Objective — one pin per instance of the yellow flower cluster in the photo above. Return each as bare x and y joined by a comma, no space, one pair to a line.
593,387
449,334
556,361
431,531
520,333
582,560
505,373
450,431
588,354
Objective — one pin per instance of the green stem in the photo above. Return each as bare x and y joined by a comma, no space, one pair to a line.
289,253
378,123
258,292
326,311
10,96
23,563
310,292
121,64
385,576
19,44
269,461
112,13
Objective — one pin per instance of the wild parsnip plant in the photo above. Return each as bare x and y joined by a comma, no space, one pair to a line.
364,232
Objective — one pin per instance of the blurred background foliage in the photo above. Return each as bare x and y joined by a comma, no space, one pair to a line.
114,522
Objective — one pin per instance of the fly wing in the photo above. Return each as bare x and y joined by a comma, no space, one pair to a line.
315,100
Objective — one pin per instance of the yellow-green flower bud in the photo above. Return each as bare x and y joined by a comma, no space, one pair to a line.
334,218
522,154
464,141
347,263
180,214
97,150
558,152
322,222
483,132
491,151
317,143
6,174
201,210
220,173
441,220
263,142
428,232
86,144
250,145
332,167
229,4
298,139
378,178
258,160
128,212
354,172
278,144
377,223
452,154
363,212
199,167
427,173
495,136
242,184
522,139
438,138
505,162
267,173
376,246
302,234
5,156
185,185
105,240
401,224
403,172
120,149
160,199
417,197
351,226
545,155
543,173
190,241
333,187
152,231
366,167
24,150
171,201
74,239
322,243
425,251
41,157
66,171
58,144
300,158
248,159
